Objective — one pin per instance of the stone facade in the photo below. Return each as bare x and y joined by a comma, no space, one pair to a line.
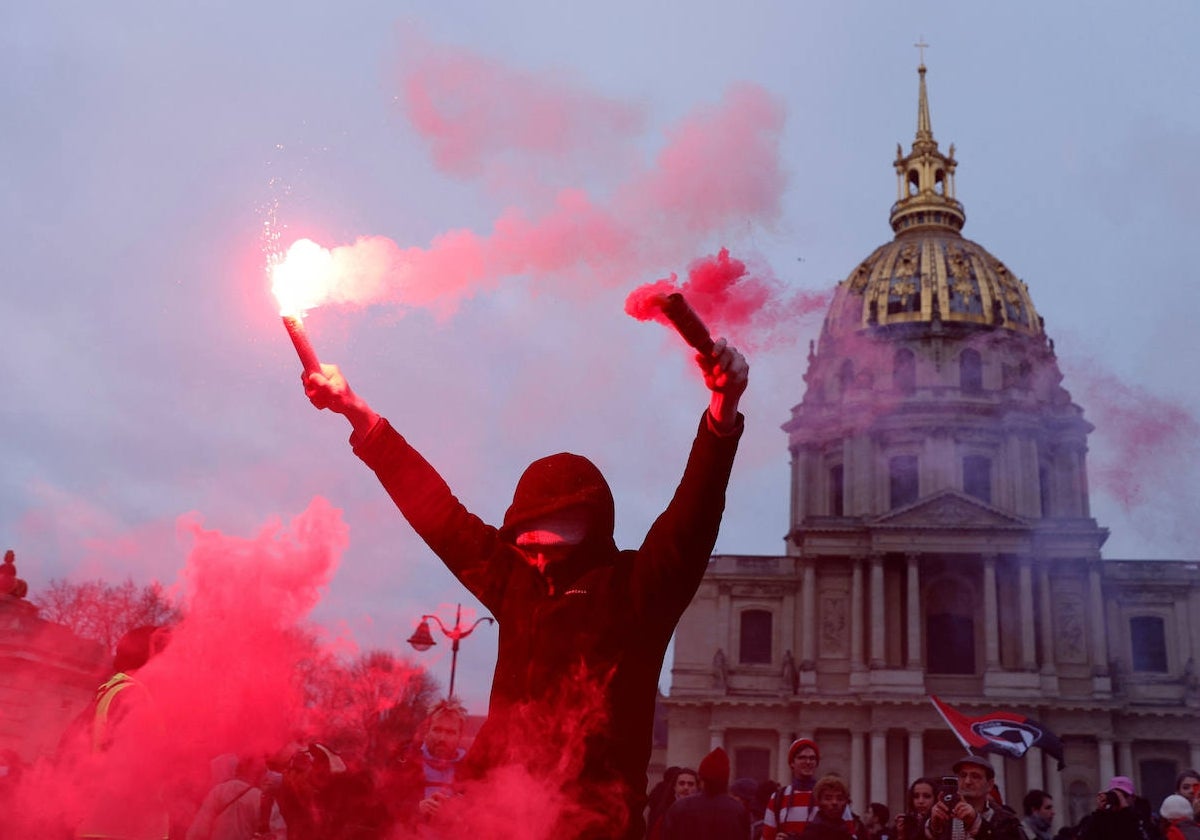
47,675
940,543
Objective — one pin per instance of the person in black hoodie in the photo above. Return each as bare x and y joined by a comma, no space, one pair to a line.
583,626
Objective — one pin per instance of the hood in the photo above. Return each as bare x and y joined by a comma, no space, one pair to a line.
558,482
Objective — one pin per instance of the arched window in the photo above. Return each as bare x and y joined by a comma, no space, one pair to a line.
904,371
914,182
970,371
754,647
1148,643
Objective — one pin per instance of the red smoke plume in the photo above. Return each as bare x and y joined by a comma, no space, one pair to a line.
1146,446
718,171
753,309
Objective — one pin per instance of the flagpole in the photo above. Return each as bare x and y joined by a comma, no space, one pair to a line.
937,704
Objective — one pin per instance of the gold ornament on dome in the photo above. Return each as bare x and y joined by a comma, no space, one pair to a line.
858,281
964,288
958,264
906,266
904,289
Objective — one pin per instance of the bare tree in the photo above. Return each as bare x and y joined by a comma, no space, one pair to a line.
375,701
104,612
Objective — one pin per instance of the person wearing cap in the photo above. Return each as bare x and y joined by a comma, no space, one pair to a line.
791,807
711,813
584,627
1177,815
1120,815
972,813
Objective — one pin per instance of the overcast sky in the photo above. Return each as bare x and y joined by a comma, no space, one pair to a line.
154,155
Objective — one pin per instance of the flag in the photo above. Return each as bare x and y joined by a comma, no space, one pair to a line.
1006,733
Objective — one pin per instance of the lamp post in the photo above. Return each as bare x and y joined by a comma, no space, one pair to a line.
423,640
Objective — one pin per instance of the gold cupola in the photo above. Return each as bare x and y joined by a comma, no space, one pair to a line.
930,276
925,178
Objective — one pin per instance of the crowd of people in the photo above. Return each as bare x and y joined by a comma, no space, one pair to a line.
966,804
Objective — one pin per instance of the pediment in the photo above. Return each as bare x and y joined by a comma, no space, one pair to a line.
950,509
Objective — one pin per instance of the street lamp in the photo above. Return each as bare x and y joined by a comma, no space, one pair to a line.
423,640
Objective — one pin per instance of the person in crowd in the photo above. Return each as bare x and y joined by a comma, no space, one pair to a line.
910,825
1179,818
113,741
788,811
661,796
231,809
418,782
583,625
745,790
1039,815
322,798
710,813
827,821
973,811
877,822
1120,815
684,782
1187,785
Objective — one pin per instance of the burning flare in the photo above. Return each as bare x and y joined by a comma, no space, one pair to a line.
301,280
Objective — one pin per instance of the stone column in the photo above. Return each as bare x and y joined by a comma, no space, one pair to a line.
916,755
913,612
878,768
1055,789
1104,759
1097,620
1033,772
1025,582
808,605
785,769
716,737
1124,758
856,614
1046,620
724,626
991,617
878,611
858,763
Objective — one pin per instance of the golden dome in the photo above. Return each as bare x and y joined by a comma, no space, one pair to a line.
930,274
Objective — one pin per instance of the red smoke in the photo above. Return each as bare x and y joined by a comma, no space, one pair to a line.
476,112
1146,444
752,309
718,172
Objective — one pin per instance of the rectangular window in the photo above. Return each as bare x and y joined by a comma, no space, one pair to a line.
837,491
752,763
977,477
755,645
903,486
1148,642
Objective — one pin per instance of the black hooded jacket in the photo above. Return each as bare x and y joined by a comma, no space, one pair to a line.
581,645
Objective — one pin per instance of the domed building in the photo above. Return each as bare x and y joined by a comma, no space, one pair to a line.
940,544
